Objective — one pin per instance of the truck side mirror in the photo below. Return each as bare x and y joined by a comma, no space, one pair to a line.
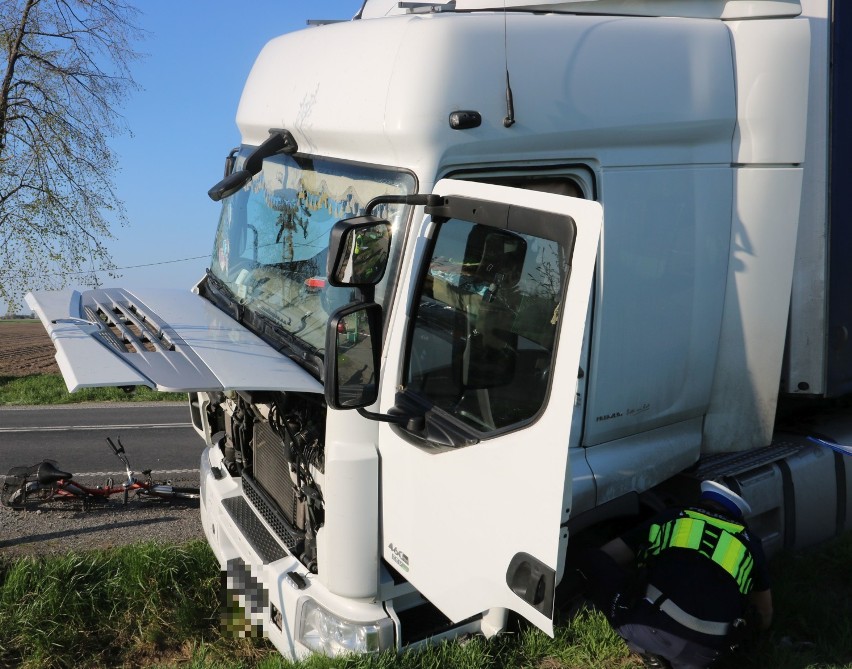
358,251
352,351
229,185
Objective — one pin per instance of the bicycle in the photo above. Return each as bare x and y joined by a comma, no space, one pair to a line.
44,482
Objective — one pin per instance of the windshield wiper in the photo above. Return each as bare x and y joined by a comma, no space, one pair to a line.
221,295
262,325
285,342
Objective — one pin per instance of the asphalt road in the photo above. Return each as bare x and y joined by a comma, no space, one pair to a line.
156,436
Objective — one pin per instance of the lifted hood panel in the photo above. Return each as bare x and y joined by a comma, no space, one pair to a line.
171,340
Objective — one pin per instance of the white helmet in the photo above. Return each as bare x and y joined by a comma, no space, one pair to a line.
716,492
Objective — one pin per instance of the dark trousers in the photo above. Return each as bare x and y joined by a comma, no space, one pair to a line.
642,630
645,629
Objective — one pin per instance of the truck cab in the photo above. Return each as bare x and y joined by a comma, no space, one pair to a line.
485,276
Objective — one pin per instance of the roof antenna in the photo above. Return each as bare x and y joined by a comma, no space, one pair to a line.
509,119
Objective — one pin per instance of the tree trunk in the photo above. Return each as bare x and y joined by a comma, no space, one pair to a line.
14,54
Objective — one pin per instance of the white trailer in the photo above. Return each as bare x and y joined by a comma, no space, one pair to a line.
488,273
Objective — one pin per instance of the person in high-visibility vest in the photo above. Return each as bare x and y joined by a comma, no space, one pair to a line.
685,586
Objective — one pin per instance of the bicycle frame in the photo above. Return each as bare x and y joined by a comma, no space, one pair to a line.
71,488
45,482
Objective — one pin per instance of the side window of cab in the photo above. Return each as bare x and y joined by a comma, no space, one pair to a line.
484,328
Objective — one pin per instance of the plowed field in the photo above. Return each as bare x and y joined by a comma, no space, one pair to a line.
25,349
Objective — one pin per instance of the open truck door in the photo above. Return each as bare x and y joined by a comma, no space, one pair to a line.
479,380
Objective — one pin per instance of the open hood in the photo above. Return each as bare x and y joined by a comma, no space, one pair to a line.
171,340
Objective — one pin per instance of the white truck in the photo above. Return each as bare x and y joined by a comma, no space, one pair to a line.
490,272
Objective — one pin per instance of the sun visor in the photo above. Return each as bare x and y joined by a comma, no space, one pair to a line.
171,340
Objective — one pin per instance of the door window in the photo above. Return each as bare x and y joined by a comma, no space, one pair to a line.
484,330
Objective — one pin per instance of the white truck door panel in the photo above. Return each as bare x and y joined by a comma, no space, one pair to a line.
478,521
172,340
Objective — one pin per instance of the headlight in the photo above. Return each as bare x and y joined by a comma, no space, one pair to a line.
323,632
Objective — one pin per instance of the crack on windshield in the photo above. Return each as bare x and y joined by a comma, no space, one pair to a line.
269,261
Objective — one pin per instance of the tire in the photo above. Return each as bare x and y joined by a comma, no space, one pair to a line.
161,491
186,493
32,494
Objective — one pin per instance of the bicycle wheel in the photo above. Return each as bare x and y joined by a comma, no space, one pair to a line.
31,494
186,493
163,491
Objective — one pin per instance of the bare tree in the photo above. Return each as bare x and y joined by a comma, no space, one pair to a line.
67,74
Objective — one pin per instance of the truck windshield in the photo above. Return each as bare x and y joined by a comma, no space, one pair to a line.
272,242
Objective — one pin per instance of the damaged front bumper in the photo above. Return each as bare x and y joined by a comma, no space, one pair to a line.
269,591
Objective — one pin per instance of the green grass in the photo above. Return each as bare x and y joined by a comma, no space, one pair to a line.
96,609
50,389
813,609
154,605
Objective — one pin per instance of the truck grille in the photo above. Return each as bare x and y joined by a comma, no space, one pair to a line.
270,488
271,471
290,536
258,536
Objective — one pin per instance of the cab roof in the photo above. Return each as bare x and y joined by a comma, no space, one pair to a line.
711,9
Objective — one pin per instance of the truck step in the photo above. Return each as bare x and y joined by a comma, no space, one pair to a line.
731,464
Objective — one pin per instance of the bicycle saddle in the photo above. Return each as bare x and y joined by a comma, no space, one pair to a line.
47,473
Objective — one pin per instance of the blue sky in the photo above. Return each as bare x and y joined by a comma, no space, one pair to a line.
199,55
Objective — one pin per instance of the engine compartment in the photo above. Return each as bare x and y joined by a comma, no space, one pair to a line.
274,442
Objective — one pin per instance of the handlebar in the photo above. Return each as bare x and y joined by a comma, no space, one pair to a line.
121,455
118,450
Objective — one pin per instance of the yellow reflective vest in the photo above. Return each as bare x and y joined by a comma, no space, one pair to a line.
715,538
